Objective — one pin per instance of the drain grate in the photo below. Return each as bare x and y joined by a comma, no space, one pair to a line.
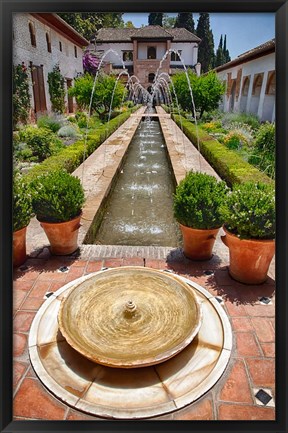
208,272
263,397
47,295
63,269
265,300
219,299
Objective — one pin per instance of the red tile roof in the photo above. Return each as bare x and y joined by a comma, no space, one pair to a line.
147,32
259,51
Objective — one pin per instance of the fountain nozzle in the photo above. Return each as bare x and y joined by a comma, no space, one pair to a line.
130,307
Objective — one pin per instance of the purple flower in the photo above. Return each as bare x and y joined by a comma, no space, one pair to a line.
90,63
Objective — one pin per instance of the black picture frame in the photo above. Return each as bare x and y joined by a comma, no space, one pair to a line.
280,8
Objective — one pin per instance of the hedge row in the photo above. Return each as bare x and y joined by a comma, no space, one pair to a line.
71,157
225,162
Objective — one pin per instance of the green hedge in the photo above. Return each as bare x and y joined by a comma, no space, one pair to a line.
71,157
225,162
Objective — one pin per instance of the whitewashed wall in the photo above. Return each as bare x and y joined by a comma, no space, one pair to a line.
189,53
263,105
118,47
23,51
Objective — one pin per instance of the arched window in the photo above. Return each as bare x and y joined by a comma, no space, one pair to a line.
245,87
271,83
151,77
75,51
48,41
32,34
257,85
151,53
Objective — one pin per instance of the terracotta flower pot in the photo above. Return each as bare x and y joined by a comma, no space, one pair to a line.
249,258
19,247
62,236
198,244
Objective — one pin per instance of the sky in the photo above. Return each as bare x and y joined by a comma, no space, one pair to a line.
244,30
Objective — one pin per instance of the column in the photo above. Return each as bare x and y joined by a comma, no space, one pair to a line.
262,95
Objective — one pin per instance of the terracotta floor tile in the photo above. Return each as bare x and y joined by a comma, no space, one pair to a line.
239,412
112,263
19,369
94,266
268,349
18,297
234,309
246,344
155,264
135,261
22,321
264,329
74,273
260,310
23,285
52,276
237,387
33,401
32,303
29,275
19,344
262,371
242,324
76,263
272,321
56,285
198,411
40,288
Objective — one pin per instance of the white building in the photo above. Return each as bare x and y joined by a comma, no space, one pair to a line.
142,50
250,82
42,40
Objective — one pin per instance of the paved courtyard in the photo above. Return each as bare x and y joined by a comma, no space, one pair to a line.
251,311
246,390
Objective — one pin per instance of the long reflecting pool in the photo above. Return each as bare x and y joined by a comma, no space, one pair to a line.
140,209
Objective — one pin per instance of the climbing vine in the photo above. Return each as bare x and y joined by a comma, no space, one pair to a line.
56,90
21,95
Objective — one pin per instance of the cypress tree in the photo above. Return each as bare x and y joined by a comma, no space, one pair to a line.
220,57
155,19
185,20
206,54
226,54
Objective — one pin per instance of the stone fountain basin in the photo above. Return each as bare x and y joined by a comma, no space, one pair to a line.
130,317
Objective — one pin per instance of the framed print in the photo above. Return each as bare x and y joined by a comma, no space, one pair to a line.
141,144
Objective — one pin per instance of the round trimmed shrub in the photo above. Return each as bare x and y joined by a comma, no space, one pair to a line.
57,196
249,211
197,201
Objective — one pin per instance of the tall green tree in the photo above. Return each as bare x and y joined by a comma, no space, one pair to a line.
219,53
226,54
168,22
207,91
87,23
206,46
103,91
185,20
155,19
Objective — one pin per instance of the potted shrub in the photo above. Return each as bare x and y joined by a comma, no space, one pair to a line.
249,225
22,213
197,202
57,202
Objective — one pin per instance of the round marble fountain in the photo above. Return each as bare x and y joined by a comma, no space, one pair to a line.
130,342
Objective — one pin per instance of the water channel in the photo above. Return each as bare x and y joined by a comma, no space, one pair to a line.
140,209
